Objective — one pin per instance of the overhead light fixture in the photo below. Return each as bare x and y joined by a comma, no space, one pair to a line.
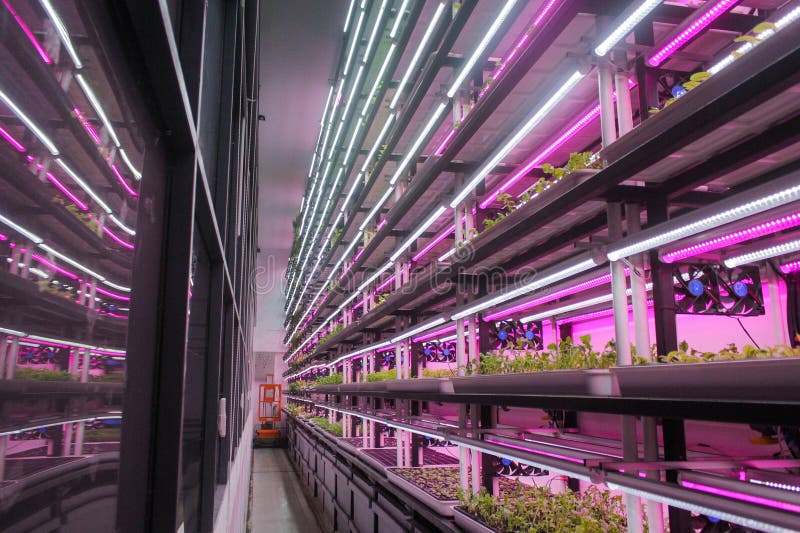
511,142
378,143
378,79
433,242
398,19
583,304
72,262
625,23
582,286
375,29
781,22
467,67
22,231
764,253
734,237
12,141
419,329
87,90
419,231
350,193
375,276
792,266
412,66
376,207
434,334
756,200
129,164
447,254
355,42
563,270
83,185
29,123
63,34
422,137
684,33
349,12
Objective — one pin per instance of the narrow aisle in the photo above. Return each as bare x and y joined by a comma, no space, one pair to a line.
279,505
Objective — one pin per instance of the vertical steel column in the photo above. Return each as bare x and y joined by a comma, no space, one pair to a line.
87,359
624,107
620,306
26,261
80,427
11,358
655,518
66,444
3,352
3,449
667,341
645,76
776,306
605,86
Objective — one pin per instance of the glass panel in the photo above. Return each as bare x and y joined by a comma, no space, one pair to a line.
70,169
195,384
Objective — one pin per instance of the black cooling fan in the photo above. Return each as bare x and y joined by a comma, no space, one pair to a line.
716,290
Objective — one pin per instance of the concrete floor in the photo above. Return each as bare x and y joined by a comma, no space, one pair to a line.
279,505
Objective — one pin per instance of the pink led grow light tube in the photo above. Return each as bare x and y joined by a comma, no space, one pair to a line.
46,343
3,237
117,239
383,285
793,266
712,11
29,34
50,265
63,188
576,127
11,140
434,334
123,182
750,498
574,289
433,242
87,126
734,237
112,295
537,452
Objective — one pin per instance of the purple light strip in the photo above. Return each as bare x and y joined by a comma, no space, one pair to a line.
63,188
122,180
433,242
595,314
734,237
117,238
444,143
114,315
46,343
588,117
574,289
537,452
3,237
383,285
11,140
112,295
690,32
434,334
28,33
750,498
87,126
793,266
50,265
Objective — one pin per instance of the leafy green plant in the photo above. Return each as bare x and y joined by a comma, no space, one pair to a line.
440,373
531,509
335,427
298,386
102,435
33,374
443,482
380,298
383,375
332,333
332,379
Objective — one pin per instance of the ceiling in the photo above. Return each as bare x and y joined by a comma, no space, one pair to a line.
299,43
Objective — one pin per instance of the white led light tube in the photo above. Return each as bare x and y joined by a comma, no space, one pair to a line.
422,137
764,253
563,270
467,67
419,231
377,206
412,67
419,329
19,229
61,29
375,276
87,90
756,200
518,136
43,138
625,24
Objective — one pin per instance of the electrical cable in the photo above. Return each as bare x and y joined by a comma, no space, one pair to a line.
739,320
